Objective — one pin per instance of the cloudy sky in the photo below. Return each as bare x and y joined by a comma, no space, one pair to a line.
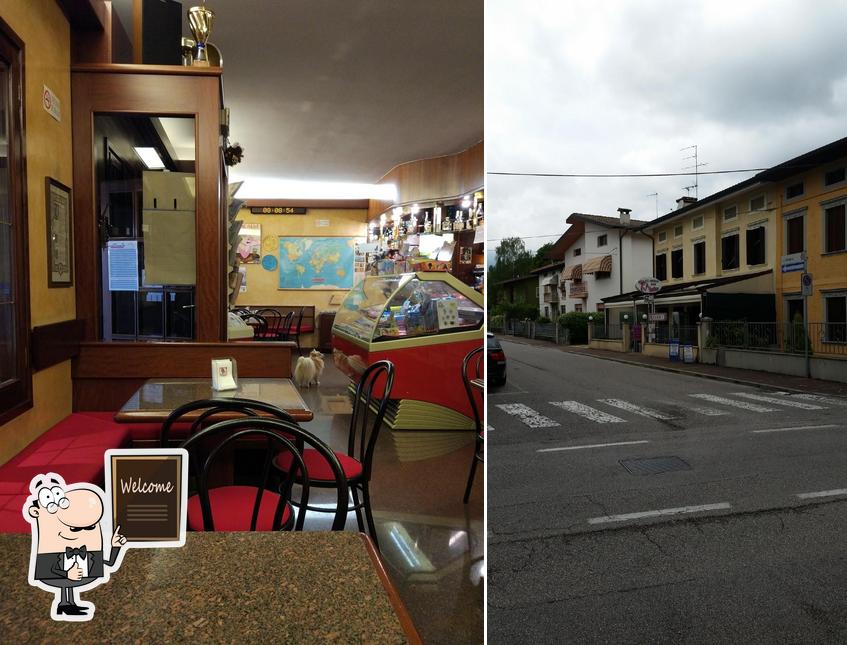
620,86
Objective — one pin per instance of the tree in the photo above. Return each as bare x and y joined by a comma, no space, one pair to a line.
542,256
512,260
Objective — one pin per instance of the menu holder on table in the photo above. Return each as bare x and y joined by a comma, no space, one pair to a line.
224,374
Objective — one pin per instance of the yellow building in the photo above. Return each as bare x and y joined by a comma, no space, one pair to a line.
723,256
812,195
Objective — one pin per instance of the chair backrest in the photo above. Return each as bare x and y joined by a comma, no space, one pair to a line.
259,323
472,367
285,327
246,407
299,320
368,412
277,434
273,319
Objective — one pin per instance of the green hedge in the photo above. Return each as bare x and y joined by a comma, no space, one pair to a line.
515,311
576,322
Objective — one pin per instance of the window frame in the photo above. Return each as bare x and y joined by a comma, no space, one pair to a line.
734,209
839,182
681,230
825,235
577,252
764,207
663,254
798,214
681,252
695,243
16,393
662,236
737,234
694,219
752,227
801,194
826,297
602,240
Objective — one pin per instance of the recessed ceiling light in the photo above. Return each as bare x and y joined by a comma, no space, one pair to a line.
150,158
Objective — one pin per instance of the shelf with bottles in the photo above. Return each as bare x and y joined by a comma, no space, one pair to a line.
466,213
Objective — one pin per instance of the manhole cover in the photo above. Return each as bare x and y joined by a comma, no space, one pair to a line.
654,465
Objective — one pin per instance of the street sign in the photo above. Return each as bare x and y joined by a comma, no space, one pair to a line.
806,284
659,316
648,285
793,262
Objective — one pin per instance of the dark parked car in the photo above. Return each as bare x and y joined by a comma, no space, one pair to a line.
496,361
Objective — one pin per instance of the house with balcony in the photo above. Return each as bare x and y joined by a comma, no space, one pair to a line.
599,257
550,293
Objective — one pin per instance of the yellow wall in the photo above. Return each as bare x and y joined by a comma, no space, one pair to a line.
263,286
46,35
829,271
712,230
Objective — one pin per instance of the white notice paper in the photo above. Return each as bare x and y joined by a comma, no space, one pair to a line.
123,265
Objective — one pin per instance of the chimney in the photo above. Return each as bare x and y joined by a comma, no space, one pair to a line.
624,213
682,202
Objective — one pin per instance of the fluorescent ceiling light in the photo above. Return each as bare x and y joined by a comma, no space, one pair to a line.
273,188
150,158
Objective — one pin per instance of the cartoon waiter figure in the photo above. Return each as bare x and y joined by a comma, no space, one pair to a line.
67,543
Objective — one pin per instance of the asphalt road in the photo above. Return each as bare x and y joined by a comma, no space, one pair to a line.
630,505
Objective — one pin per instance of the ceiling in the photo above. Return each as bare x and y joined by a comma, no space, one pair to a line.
344,90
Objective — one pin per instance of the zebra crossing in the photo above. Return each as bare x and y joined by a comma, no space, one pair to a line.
595,412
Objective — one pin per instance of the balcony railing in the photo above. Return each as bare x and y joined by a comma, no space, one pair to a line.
551,296
579,290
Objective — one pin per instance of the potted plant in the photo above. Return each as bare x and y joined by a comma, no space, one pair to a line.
709,351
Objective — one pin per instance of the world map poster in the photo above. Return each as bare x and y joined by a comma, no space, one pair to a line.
316,262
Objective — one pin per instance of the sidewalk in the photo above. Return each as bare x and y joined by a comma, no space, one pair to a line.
744,377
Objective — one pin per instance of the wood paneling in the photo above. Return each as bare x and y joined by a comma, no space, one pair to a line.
436,179
52,344
132,89
308,203
105,375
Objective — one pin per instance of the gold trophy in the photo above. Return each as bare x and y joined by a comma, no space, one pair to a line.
201,20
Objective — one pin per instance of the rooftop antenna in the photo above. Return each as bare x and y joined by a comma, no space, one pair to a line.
697,165
656,195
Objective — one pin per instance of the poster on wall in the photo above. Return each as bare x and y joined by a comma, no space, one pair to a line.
316,262
249,250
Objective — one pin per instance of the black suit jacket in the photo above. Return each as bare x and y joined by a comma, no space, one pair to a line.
49,567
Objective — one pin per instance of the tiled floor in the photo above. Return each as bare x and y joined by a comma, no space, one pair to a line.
431,542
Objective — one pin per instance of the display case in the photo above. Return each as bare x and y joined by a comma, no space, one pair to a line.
424,323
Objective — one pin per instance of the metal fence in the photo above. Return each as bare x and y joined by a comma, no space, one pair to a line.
552,331
821,338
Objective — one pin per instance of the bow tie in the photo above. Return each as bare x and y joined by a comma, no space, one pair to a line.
81,551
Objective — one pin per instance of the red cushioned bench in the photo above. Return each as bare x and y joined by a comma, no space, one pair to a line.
73,448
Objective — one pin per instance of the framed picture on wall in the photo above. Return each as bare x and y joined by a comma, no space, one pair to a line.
60,260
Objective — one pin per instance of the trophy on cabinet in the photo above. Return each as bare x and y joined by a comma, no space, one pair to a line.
201,20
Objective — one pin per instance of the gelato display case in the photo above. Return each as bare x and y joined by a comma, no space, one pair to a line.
425,323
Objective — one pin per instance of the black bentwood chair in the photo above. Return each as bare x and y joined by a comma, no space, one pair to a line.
228,508
472,368
229,406
294,331
361,441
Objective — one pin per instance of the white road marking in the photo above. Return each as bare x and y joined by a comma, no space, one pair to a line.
587,412
593,445
635,409
823,493
821,399
752,407
829,425
710,412
779,401
527,415
659,513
